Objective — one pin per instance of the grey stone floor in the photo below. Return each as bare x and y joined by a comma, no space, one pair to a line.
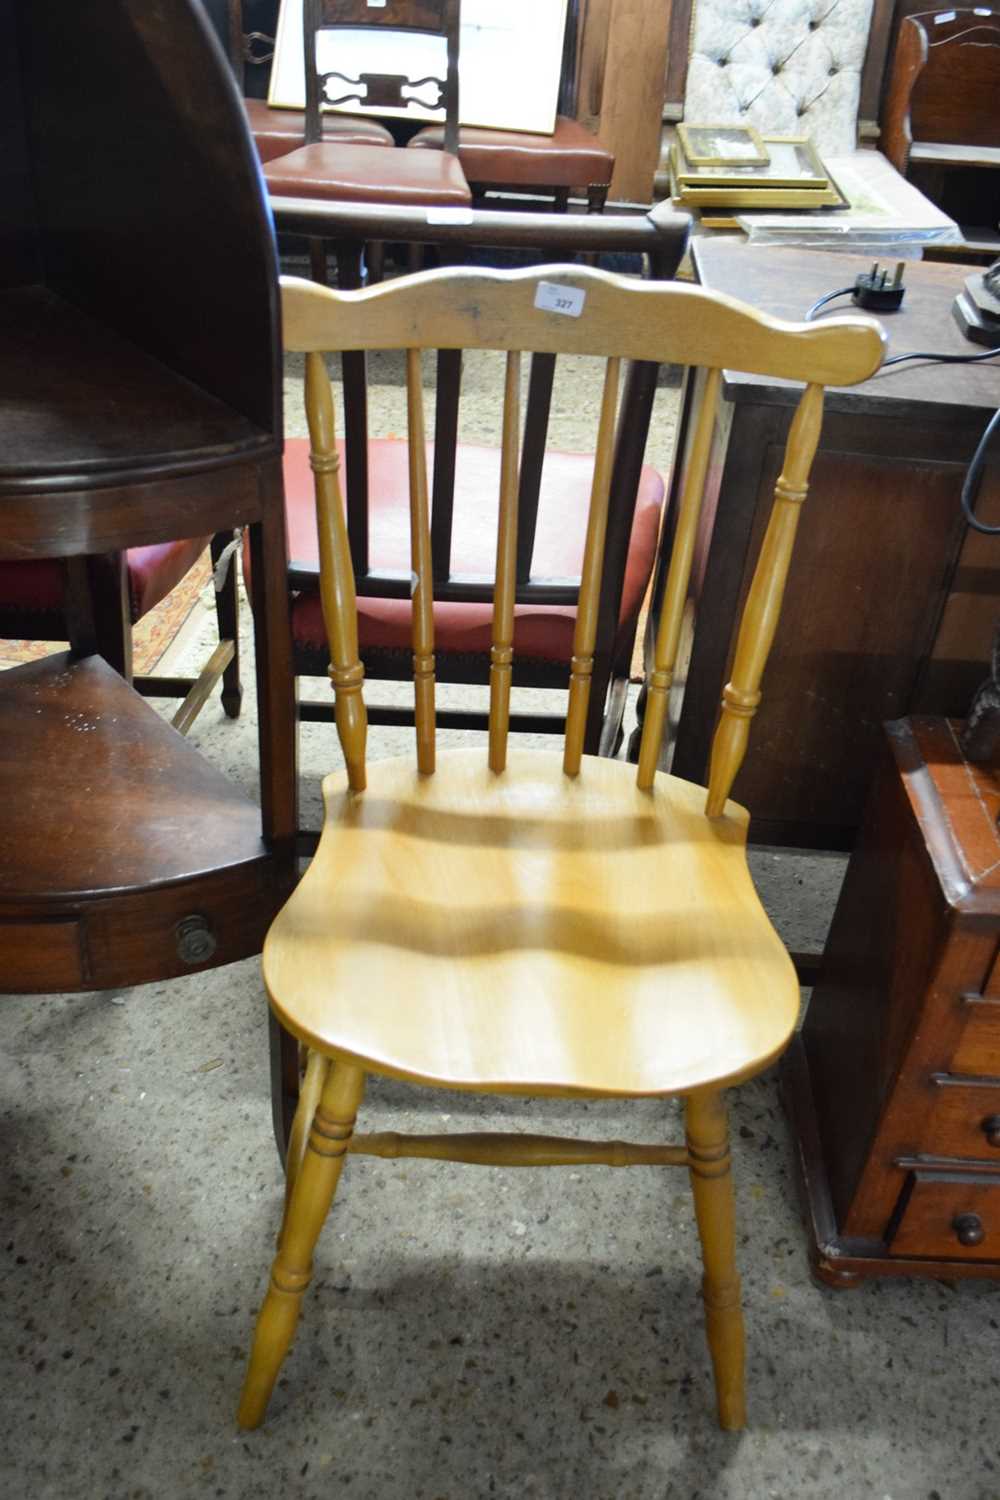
470,1333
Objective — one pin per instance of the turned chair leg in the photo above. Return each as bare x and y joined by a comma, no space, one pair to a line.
712,1185
227,611
315,1184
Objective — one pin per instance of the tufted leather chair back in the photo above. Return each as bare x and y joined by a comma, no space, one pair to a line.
789,67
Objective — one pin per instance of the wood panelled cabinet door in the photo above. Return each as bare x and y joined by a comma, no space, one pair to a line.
894,1082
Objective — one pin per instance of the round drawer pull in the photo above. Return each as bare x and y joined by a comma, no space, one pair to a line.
991,1130
195,940
968,1229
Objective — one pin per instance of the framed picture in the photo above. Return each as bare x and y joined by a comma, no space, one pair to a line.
791,162
510,61
722,146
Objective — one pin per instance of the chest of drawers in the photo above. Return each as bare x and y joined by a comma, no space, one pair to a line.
893,1085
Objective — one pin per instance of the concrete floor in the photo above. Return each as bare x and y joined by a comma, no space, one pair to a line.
470,1332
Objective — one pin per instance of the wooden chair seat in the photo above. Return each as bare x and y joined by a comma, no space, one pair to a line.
543,632
531,933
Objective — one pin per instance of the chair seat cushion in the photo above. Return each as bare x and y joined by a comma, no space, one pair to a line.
36,586
569,157
541,632
278,131
531,932
368,174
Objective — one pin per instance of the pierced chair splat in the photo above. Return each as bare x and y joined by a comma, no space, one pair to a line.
559,925
363,174
276,132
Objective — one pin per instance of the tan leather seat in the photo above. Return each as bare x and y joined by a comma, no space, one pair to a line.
570,157
276,132
368,174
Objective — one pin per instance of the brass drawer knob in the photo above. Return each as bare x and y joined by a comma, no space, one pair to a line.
991,1130
195,940
968,1229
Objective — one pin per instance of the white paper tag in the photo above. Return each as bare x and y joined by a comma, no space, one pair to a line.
450,216
942,16
982,10
567,300
377,4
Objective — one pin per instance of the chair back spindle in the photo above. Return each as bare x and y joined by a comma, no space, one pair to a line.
505,588
336,572
678,577
422,565
741,695
585,629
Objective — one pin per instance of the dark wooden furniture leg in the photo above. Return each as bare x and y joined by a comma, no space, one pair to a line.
227,613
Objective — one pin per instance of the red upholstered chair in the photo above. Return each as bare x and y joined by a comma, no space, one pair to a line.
554,518
553,501
361,173
123,587
276,132
570,160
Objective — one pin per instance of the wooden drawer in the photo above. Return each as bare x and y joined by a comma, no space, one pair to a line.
41,956
965,1117
948,1214
978,1050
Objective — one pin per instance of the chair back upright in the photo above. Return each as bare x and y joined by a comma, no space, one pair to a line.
944,82
568,310
385,90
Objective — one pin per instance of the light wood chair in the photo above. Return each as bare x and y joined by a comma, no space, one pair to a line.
522,923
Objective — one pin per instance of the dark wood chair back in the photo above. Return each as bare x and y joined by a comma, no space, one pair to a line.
248,48
945,83
430,17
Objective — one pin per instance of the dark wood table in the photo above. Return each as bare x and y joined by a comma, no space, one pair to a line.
891,601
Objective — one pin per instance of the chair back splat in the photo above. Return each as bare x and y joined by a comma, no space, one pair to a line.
385,90
568,310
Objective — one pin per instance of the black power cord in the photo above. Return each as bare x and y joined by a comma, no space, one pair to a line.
973,474
866,288
845,291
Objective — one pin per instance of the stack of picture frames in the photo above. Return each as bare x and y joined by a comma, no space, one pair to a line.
722,170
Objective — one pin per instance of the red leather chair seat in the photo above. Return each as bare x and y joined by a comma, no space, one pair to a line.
276,132
541,632
368,174
36,586
570,157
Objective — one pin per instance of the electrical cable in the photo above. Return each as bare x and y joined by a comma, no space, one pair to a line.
845,291
942,359
973,474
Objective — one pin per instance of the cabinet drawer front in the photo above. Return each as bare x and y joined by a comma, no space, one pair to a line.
965,1118
978,1051
949,1214
41,956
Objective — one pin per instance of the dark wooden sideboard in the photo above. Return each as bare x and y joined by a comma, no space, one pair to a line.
139,402
893,1084
891,601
